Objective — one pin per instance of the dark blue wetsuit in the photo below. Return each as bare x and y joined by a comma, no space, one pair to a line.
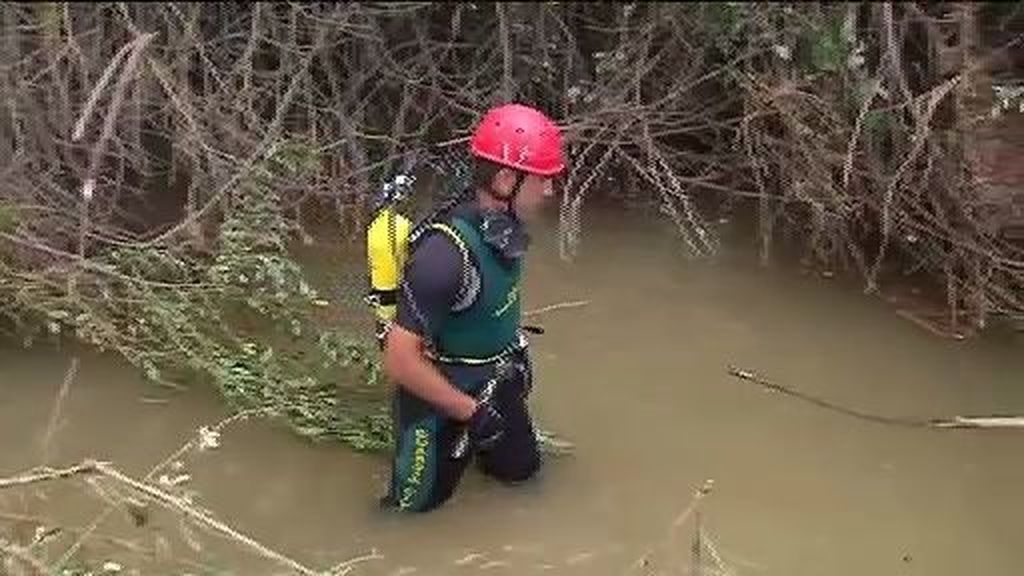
439,282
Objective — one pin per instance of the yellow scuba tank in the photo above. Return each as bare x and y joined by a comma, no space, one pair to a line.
389,234
387,241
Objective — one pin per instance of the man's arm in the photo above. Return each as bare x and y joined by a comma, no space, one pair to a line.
430,286
405,363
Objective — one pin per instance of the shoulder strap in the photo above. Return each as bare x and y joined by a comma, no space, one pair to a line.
470,280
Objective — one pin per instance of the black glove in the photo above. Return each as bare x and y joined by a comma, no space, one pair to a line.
526,373
486,426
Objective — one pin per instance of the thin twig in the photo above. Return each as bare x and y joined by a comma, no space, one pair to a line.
110,120
852,147
46,474
58,405
347,566
20,554
97,90
680,519
919,139
559,306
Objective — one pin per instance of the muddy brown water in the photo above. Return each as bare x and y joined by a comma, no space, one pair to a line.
637,380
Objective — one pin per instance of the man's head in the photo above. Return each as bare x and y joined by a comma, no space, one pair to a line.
518,153
497,185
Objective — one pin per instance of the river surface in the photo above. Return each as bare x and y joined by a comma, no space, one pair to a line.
637,380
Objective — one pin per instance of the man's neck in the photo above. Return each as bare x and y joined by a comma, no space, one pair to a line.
487,201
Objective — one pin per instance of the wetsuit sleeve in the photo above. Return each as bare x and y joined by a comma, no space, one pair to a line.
430,285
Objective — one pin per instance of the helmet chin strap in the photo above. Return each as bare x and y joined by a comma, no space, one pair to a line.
502,229
511,198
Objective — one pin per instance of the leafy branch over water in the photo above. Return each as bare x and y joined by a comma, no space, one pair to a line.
243,318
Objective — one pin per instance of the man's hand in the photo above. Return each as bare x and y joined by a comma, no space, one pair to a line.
486,426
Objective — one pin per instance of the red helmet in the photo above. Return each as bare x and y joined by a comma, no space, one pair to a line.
519,137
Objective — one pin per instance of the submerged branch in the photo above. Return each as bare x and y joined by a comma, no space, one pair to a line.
943,423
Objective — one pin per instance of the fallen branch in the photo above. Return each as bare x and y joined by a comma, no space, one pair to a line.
106,538
940,423
47,474
189,444
169,500
981,422
181,506
178,504
751,377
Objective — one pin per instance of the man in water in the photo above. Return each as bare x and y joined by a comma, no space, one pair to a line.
455,348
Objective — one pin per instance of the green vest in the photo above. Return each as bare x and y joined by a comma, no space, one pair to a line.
490,325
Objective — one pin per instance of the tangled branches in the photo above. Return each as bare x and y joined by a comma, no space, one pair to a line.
243,318
159,158
870,151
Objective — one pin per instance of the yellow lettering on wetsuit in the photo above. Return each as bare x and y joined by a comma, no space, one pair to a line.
419,463
510,299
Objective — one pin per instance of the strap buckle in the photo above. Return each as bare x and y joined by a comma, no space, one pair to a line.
377,297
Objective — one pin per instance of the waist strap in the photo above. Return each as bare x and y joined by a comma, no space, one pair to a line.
520,343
